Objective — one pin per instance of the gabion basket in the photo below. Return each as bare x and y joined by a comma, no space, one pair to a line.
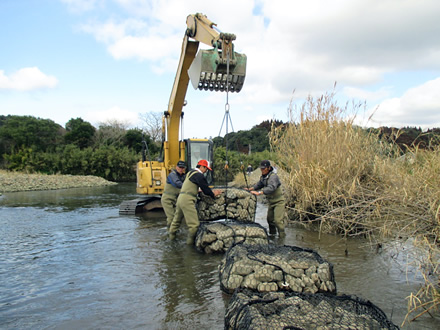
219,236
232,204
248,309
267,268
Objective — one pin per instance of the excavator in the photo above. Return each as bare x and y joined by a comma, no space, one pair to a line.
217,69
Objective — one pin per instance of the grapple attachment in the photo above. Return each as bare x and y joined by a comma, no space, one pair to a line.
209,71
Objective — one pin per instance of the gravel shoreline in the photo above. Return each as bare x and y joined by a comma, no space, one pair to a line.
16,181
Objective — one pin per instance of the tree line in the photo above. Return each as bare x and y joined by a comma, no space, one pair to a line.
38,145
111,151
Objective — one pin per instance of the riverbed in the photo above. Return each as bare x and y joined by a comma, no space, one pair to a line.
68,260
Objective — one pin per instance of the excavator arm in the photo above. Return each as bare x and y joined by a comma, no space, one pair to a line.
172,147
216,69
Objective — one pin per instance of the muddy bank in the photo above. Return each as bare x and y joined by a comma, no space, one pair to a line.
15,181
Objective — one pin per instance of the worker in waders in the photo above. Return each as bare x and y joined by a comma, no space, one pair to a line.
271,188
186,202
172,189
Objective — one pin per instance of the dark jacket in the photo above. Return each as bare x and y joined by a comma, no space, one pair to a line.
200,180
176,179
269,182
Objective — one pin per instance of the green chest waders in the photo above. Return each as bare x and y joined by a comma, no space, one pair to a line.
186,207
168,200
275,212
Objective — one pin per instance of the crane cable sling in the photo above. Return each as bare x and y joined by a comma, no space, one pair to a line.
227,117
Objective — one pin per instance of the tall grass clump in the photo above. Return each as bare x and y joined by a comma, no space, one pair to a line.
331,166
348,181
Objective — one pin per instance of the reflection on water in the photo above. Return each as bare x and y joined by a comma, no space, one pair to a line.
67,199
69,260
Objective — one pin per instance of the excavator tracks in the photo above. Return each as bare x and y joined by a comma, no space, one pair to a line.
140,205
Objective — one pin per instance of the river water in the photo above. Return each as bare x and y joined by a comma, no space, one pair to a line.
68,260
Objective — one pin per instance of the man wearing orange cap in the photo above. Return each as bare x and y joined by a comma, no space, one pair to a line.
186,202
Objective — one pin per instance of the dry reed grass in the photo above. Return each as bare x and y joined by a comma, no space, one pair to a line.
242,180
349,182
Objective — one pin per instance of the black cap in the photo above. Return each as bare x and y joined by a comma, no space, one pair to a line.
264,164
181,164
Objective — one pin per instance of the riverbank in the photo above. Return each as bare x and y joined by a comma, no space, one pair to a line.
16,181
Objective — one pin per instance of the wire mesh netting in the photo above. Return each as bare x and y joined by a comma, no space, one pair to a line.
219,236
249,309
232,203
267,268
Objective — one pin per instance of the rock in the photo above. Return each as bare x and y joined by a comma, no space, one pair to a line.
15,181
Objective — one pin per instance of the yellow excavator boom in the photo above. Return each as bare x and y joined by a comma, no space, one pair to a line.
216,69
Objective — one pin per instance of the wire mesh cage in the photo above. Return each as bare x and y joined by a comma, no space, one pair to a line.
267,268
248,309
233,203
219,236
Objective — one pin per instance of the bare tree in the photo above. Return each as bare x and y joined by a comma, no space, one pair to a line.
152,125
115,123
111,132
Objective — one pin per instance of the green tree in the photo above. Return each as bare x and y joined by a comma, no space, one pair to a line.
29,132
234,159
254,140
133,139
79,133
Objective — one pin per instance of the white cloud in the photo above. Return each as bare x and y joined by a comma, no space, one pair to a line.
27,79
126,117
418,106
345,41
133,39
365,95
107,32
304,46
143,48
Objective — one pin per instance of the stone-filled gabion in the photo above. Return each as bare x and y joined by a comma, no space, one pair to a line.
232,203
267,268
288,310
218,237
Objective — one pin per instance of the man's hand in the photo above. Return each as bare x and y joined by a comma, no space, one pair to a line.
217,192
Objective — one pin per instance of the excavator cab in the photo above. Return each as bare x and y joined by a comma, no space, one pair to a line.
197,149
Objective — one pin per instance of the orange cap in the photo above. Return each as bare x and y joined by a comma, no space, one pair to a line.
204,162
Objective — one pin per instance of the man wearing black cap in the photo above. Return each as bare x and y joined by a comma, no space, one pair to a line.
186,202
271,188
172,189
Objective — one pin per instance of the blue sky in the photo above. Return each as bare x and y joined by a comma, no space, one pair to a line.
107,60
